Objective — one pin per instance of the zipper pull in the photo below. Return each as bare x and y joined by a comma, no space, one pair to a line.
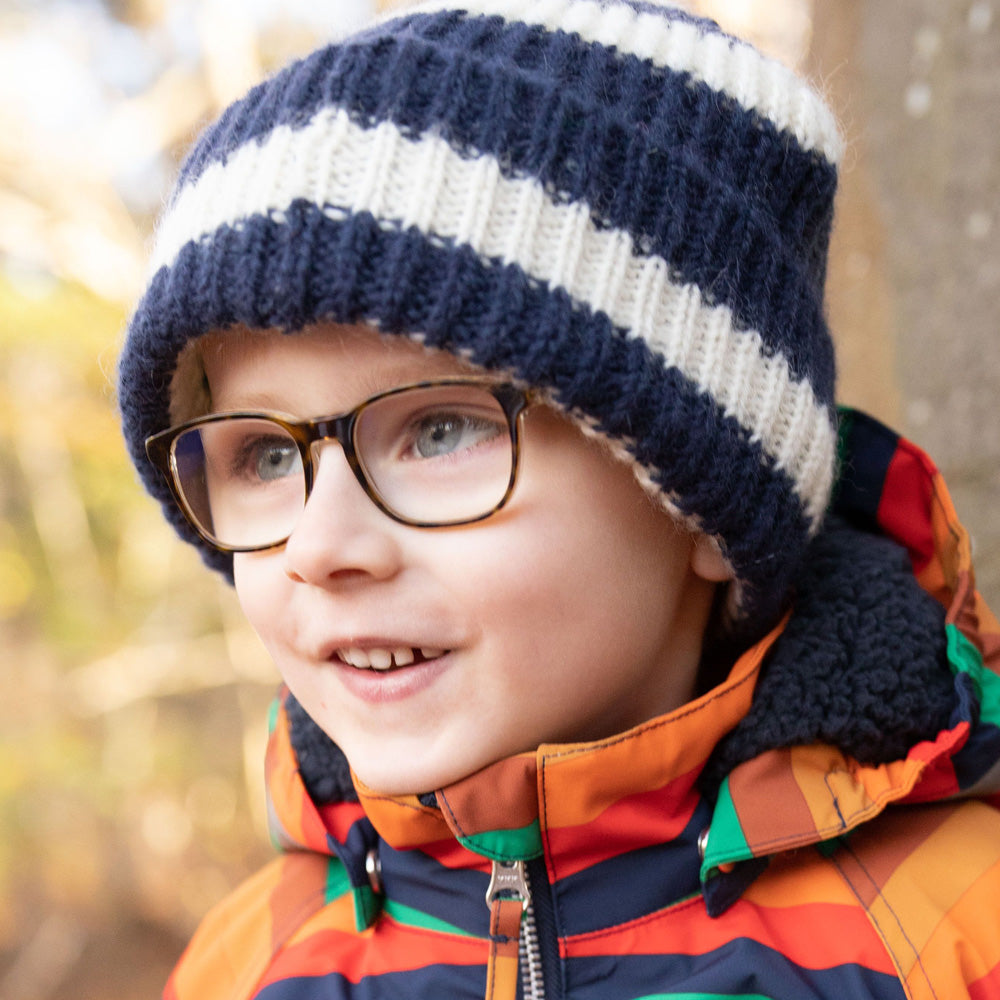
509,878
508,897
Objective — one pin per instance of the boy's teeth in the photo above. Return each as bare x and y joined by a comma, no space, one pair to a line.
384,659
380,659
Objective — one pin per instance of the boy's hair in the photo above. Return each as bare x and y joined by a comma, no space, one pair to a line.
608,199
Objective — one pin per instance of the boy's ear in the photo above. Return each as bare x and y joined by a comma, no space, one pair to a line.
707,560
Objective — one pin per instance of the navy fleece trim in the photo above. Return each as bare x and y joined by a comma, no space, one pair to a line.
862,664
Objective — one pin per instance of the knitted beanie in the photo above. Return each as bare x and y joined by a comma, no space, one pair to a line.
611,200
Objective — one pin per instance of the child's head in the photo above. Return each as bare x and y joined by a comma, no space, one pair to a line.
574,612
616,213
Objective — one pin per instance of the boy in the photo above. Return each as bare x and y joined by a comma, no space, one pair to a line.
485,352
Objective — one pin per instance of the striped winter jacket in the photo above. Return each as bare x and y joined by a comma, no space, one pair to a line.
822,824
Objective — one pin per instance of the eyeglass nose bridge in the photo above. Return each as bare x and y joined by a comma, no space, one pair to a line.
313,434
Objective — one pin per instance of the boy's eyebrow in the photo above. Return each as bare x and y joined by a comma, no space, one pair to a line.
253,400
369,382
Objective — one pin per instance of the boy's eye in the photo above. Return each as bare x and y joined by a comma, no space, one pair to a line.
267,459
446,433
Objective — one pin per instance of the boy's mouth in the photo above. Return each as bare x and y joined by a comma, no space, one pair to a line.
385,658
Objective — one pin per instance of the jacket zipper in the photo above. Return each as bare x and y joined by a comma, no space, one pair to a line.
513,935
532,980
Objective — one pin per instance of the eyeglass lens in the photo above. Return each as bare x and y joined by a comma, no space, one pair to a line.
430,455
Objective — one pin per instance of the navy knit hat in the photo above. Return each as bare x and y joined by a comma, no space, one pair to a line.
609,199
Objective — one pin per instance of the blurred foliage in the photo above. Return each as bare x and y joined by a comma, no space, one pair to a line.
129,795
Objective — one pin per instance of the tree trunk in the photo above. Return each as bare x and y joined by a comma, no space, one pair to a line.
915,272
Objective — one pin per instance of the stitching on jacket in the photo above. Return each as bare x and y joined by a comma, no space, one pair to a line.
543,821
637,922
658,724
810,836
878,925
446,806
833,796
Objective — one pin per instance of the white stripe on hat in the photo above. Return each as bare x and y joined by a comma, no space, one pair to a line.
344,168
729,66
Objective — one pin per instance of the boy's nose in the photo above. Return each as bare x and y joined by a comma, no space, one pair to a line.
340,533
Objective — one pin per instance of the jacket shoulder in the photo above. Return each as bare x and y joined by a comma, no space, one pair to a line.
238,940
928,878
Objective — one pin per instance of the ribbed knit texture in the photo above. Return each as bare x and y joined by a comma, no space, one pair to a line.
614,201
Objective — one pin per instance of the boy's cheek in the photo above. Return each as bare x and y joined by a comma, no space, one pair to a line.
258,589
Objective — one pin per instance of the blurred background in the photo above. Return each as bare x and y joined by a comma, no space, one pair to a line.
132,714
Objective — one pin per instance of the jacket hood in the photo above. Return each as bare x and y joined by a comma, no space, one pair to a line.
881,687
842,774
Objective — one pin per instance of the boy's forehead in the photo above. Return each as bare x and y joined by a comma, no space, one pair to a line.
236,343
358,348
363,360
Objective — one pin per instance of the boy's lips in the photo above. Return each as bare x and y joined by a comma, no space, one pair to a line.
395,682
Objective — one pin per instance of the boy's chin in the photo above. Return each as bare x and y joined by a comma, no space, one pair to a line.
408,781
414,776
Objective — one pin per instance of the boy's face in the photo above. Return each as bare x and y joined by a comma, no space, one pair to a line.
574,613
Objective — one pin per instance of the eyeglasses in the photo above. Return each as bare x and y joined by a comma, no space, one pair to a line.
431,454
